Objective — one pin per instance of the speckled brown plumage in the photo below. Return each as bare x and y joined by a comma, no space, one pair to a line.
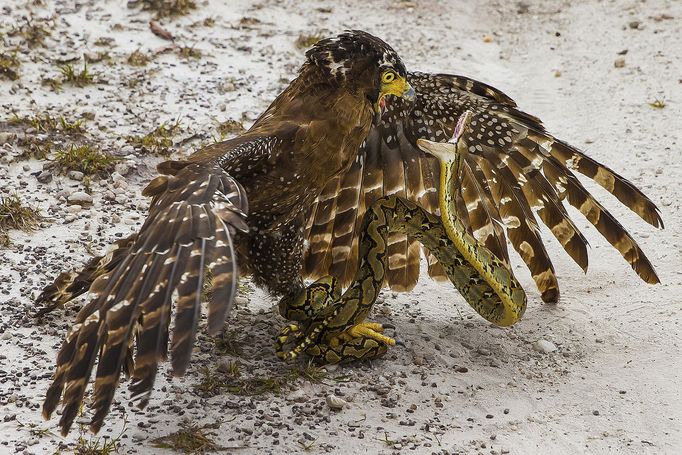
239,202
514,168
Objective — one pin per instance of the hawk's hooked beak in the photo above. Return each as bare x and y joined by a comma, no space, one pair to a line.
399,87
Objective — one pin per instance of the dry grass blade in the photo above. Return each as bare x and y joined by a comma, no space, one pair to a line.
307,41
169,8
9,66
15,215
159,141
138,58
189,438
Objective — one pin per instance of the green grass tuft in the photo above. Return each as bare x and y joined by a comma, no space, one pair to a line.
78,78
85,159
48,124
657,104
98,445
159,141
9,66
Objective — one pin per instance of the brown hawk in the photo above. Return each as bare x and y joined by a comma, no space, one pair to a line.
242,201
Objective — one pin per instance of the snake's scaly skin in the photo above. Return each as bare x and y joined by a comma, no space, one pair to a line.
484,281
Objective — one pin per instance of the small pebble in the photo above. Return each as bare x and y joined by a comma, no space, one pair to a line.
122,168
544,346
80,197
75,175
335,402
44,177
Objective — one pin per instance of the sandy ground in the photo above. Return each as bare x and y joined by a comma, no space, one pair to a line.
460,385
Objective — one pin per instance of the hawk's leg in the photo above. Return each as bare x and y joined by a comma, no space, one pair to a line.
364,341
310,301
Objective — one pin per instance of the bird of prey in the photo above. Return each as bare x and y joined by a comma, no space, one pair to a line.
239,202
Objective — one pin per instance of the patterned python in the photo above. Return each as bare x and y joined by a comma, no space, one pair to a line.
336,331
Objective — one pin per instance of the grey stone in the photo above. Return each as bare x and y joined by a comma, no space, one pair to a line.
80,198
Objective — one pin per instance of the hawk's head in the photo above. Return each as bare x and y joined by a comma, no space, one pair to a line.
362,63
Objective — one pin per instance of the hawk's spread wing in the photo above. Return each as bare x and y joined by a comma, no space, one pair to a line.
194,215
515,171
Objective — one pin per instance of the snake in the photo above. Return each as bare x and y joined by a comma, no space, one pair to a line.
336,330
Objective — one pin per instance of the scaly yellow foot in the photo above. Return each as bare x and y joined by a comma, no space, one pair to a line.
371,330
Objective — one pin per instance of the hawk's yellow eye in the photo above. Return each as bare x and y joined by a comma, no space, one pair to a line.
388,77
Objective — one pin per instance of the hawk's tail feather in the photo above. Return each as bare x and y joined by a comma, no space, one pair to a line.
522,228
540,164
603,220
555,158
69,285
627,193
544,199
485,220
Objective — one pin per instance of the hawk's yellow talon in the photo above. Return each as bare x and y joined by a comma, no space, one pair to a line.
375,326
370,330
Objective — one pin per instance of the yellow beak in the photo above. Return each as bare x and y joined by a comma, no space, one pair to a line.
400,88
